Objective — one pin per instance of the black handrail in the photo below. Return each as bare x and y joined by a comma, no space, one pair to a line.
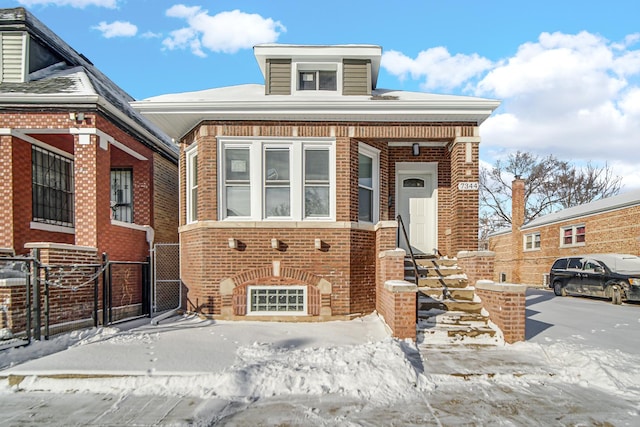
406,239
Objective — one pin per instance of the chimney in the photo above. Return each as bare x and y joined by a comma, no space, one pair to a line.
517,203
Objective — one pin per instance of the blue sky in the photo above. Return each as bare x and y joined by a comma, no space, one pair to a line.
567,72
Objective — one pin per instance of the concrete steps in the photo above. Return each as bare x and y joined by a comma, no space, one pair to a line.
448,310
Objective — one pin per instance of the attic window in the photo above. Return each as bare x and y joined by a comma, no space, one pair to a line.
317,80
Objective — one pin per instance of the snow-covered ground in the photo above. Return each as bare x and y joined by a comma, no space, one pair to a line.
189,371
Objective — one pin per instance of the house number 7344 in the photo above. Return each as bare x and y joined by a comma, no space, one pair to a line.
468,186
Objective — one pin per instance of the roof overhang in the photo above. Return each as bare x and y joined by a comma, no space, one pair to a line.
77,101
178,118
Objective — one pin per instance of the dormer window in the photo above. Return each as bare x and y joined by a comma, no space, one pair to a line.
317,80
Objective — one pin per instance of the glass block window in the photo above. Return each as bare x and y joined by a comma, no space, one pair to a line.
122,194
52,188
277,300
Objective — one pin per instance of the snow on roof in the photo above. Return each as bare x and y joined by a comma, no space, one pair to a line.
625,200
77,77
178,113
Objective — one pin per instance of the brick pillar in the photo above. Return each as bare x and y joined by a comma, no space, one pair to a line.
92,186
477,265
464,195
396,298
506,306
6,192
517,219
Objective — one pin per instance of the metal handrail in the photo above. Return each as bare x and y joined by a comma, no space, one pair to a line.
406,239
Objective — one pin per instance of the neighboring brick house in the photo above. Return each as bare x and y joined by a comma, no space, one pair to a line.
78,165
524,254
290,190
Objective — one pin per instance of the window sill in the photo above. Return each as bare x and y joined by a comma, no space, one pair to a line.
532,250
129,225
576,245
52,228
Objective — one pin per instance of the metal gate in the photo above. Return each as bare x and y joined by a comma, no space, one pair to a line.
167,288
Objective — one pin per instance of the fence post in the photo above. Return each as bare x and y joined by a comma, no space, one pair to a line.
36,296
46,303
96,282
105,289
30,270
146,287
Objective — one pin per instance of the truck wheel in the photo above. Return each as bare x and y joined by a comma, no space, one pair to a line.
559,290
616,296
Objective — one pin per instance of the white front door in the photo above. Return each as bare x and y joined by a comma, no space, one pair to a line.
416,205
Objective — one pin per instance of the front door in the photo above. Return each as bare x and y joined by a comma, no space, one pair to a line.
416,205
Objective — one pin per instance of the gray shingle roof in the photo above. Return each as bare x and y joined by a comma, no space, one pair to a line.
78,76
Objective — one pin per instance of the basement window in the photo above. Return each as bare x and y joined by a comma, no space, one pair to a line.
277,300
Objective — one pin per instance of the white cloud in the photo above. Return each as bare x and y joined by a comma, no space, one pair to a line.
436,66
150,35
80,4
576,96
116,29
226,32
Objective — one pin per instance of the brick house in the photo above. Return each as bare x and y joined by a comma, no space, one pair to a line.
525,253
290,189
79,168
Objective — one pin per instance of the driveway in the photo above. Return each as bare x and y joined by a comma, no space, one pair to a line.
584,321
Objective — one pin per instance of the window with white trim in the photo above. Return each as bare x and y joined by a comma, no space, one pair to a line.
573,235
317,77
192,184
277,300
531,241
277,180
368,183
52,188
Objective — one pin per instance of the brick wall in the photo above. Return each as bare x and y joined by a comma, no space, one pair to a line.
165,200
477,265
13,304
506,306
614,231
396,298
92,166
348,260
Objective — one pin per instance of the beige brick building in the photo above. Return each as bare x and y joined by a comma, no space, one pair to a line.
290,190
525,253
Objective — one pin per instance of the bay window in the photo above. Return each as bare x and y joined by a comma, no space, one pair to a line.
277,179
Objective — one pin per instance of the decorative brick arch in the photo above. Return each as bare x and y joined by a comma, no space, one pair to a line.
316,286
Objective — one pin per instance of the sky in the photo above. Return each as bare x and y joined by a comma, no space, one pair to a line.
567,72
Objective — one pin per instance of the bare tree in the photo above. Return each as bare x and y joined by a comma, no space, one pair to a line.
550,185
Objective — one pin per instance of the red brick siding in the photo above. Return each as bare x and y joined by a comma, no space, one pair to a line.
165,200
614,231
477,265
507,311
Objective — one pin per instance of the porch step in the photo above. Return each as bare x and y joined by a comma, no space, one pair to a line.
432,271
465,294
448,304
439,281
441,263
453,326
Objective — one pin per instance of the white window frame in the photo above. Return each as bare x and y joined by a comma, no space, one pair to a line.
574,230
257,147
191,155
374,154
305,293
299,67
529,241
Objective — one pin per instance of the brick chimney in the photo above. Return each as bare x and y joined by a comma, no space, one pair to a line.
517,219
517,203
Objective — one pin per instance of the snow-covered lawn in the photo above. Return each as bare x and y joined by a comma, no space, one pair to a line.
193,371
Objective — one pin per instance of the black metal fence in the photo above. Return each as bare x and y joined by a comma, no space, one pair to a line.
39,300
